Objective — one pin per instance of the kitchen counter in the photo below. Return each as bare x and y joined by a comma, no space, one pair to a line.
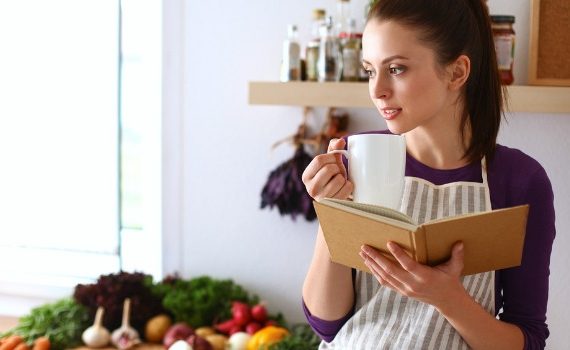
9,322
139,347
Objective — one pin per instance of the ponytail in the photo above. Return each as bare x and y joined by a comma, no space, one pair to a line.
483,94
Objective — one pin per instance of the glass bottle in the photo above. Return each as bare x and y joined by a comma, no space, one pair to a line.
312,49
350,43
343,16
504,37
291,61
329,64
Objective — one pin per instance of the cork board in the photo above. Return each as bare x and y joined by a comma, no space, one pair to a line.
549,62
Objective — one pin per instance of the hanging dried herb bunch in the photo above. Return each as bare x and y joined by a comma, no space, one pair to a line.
285,189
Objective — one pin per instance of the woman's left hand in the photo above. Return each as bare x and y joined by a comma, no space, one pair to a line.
438,285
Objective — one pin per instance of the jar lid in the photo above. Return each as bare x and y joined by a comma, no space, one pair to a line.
502,19
313,44
319,13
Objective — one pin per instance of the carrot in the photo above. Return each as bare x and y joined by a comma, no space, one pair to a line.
11,342
41,343
22,346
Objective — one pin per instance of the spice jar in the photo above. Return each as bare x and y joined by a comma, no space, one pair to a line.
329,63
312,49
504,37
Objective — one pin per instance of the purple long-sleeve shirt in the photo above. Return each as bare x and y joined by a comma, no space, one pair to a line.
521,293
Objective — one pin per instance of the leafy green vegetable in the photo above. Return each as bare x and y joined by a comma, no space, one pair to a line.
201,301
62,322
302,338
110,291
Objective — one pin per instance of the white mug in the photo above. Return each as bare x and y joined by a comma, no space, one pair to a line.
376,167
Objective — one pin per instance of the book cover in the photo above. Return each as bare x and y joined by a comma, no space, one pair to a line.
492,240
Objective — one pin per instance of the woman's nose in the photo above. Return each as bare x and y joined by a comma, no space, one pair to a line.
379,88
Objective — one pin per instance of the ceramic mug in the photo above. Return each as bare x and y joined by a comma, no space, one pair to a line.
376,167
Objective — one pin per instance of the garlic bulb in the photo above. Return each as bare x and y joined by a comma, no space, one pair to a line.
96,336
126,336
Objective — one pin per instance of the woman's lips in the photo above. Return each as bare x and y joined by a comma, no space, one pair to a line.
390,113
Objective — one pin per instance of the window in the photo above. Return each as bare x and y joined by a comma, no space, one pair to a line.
81,144
59,127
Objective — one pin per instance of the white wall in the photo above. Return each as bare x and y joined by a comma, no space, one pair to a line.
227,157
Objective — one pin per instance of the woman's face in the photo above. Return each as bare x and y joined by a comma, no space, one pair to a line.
405,84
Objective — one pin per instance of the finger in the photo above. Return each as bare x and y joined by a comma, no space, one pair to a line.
345,191
404,259
392,268
383,277
333,187
316,165
455,264
326,174
338,144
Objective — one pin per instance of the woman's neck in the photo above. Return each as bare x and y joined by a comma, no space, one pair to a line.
439,147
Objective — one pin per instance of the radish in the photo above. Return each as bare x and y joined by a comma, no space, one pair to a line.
259,313
226,326
252,327
241,313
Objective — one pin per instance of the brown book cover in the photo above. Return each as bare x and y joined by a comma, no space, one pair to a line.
492,240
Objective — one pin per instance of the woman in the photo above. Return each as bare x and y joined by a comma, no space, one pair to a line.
433,77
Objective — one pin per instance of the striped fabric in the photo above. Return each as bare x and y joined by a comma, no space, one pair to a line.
386,319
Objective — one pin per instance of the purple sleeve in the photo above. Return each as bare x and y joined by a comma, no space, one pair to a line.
525,288
326,330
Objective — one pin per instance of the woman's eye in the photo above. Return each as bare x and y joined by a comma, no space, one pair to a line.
396,70
369,72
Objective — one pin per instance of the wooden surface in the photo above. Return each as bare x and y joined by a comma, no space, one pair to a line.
139,347
8,322
549,47
533,99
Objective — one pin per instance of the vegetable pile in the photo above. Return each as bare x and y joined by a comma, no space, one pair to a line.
196,314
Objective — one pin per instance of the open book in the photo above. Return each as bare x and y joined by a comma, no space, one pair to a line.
492,240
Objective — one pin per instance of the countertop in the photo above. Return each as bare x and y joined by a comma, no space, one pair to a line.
8,322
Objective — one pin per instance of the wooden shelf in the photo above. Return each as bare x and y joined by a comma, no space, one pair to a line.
535,99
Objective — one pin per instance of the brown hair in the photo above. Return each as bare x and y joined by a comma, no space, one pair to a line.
454,28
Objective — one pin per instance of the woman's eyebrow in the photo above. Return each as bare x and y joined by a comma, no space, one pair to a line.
388,59
395,57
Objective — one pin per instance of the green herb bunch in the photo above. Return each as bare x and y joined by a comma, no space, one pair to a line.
62,322
302,338
202,300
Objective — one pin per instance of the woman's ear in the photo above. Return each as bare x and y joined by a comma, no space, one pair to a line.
459,72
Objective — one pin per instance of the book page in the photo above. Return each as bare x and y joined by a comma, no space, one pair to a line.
374,209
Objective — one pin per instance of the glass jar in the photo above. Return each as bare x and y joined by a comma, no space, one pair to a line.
312,48
504,37
329,62
350,45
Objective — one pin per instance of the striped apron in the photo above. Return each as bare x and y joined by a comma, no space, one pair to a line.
385,319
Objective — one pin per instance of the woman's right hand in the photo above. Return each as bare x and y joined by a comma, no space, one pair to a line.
326,175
